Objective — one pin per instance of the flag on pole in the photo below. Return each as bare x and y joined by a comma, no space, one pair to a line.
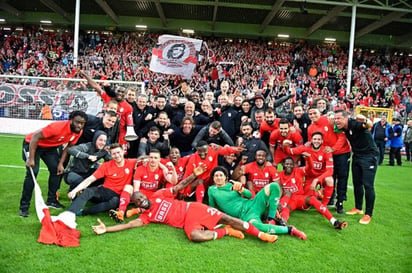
175,55
59,230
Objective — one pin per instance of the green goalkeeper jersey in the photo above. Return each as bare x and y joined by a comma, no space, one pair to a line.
227,200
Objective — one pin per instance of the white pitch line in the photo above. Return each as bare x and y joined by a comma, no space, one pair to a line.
16,167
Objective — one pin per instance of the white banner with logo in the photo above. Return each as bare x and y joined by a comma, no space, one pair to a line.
175,55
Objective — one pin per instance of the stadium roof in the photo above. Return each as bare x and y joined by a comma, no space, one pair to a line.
378,22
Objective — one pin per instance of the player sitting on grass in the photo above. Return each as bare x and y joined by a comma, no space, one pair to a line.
291,180
193,217
233,199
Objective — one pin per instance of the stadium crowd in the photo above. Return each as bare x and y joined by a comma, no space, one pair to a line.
249,107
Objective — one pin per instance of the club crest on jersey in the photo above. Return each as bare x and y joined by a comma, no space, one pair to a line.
145,176
255,174
210,158
181,168
293,181
156,176
320,158
115,174
127,171
266,175
158,200
326,128
121,109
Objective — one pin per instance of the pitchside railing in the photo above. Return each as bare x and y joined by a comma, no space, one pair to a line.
23,100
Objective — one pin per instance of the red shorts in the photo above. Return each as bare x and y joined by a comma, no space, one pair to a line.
200,216
297,202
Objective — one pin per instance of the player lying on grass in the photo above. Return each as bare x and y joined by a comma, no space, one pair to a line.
294,197
193,217
233,199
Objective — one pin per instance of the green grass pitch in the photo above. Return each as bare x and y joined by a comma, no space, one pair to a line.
385,245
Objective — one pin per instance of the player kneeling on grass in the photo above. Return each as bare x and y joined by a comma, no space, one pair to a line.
233,199
294,197
193,217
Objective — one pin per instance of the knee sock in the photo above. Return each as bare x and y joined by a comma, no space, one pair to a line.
320,207
273,199
327,194
251,229
200,193
124,200
285,213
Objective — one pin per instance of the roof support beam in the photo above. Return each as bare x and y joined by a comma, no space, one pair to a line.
10,9
57,9
334,12
215,14
275,8
160,12
375,25
106,8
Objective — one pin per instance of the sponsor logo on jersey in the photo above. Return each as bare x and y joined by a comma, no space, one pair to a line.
162,211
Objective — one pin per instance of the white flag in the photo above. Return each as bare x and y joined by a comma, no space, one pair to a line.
175,55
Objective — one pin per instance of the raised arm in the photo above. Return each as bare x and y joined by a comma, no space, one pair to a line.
102,229
91,82
196,172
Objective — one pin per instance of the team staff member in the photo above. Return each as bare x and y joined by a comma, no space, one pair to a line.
193,217
124,109
364,161
44,144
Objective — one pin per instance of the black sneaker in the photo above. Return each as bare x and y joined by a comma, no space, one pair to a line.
340,225
24,212
339,208
55,205
332,202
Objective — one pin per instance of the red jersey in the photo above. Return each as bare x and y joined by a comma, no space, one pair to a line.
319,163
115,177
335,140
180,166
260,177
210,161
277,139
56,134
323,126
294,181
125,110
165,209
264,127
149,180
